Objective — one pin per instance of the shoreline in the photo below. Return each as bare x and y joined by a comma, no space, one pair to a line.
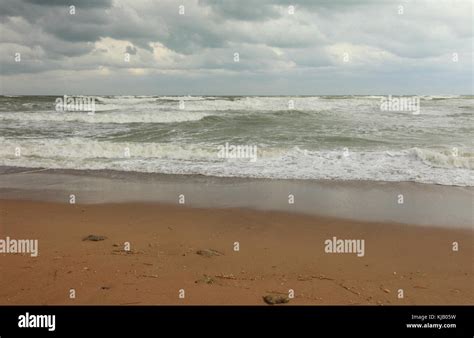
278,251
371,201
105,173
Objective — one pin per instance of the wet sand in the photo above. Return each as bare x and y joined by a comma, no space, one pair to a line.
423,204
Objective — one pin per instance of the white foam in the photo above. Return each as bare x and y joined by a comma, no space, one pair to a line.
415,164
112,117
434,97
445,159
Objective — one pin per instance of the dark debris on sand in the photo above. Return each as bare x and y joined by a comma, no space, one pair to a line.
209,253
94,238
275,299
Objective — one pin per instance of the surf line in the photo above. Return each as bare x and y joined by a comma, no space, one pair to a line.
32,171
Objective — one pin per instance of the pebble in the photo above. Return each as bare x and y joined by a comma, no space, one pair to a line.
275,299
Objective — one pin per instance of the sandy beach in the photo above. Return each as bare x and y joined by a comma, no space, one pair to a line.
177,247
304,166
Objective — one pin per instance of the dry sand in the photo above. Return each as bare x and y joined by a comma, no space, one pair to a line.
279,251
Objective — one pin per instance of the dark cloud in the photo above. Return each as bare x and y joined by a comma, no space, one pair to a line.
131,50
242,10
269,39
77,3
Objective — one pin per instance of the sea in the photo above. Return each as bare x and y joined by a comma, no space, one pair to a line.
297,137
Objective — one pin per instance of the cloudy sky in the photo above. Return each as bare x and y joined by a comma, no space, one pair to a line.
147,47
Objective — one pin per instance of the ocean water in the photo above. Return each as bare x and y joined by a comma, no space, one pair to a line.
321,137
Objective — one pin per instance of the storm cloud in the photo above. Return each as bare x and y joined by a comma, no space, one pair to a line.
236,47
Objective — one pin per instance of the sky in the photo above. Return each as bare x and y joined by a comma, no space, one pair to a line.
240,47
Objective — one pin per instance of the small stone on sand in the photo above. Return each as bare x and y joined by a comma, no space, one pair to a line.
276,299
94,238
